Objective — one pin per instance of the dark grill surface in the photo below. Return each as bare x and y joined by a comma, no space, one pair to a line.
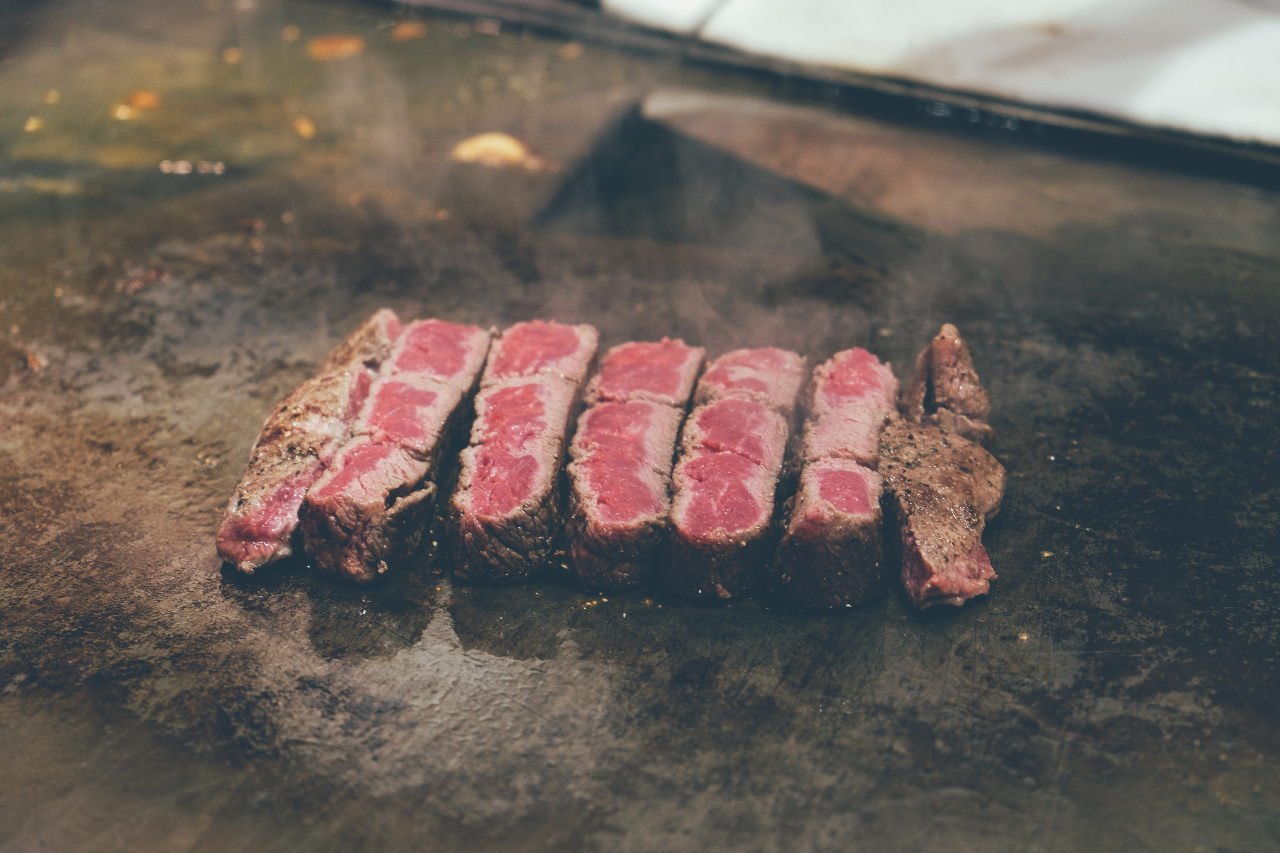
1116,691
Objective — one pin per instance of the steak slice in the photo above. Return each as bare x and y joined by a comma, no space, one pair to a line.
662,372
620,476
539,348
945,390
771,376
505,511
367,513
732,449
619,480
851,398
941,490
298,439
831,552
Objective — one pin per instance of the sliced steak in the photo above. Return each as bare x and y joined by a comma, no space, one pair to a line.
830,555
945,390
622,453
619,499
851,398
662,372
538,348
506,508
731,453
298,439
771,376
367,513
941,489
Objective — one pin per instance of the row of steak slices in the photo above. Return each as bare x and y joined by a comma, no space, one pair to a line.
348,464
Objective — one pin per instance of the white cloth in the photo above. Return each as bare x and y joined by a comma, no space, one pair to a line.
1206,66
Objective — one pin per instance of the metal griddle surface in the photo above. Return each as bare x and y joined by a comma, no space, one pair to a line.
1116,691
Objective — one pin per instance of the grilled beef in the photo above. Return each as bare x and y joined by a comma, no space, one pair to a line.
732,449
622,453
298,439
945,390
830,553
851,398
369,510
505,511
941,489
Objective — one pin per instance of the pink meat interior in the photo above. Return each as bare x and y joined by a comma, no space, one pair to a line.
513,416
359,391
359,472
621,485
436,348
619,472
255,535
661,369
406,414
847,491
529,347
763,371
501,480
856,374
617,424
744,427
720,494
848,432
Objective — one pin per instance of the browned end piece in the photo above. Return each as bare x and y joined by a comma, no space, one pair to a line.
367,513
945,389
941,489
297,442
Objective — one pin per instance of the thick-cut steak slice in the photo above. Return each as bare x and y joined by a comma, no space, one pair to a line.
505,511
770,375
732,450
831,553
367,513
941,489
298,439
619,481
662,372
851,398
945,390
620,476
538,348
721,517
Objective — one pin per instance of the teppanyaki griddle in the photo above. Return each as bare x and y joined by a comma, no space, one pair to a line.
1114,692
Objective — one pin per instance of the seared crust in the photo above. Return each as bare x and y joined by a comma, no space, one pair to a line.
298,438
945,389
940,490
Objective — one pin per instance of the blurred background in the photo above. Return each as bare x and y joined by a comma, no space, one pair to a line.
199,198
